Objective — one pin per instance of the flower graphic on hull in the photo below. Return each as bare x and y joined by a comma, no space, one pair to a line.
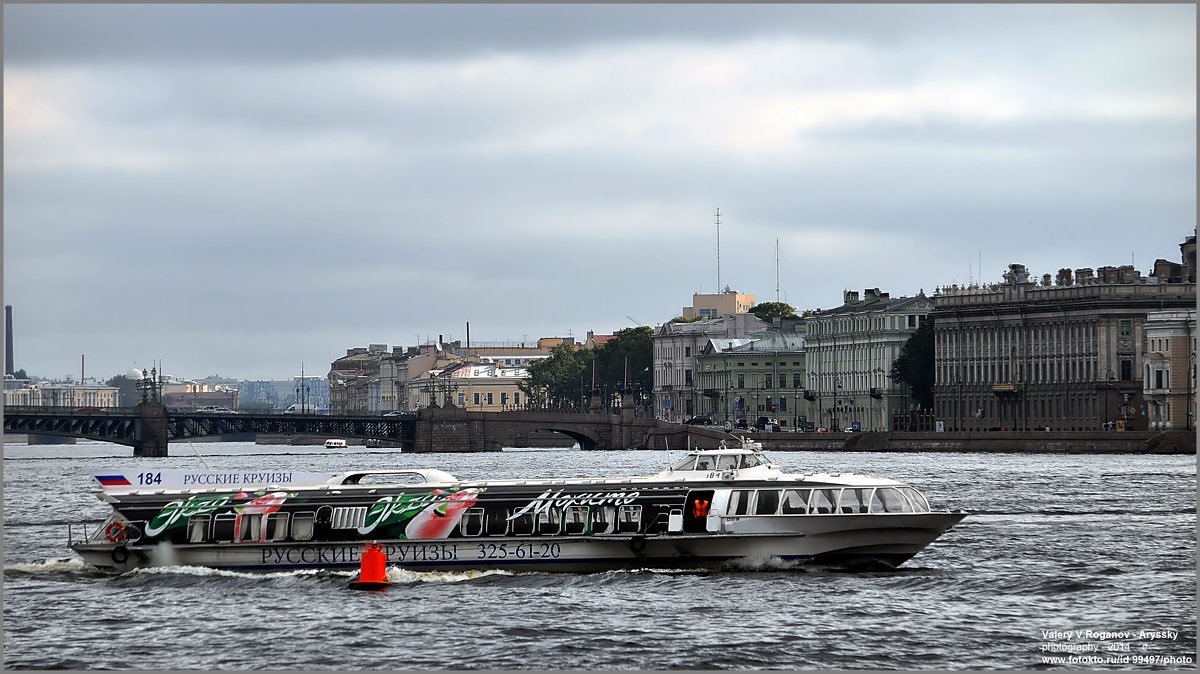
431,514
437,521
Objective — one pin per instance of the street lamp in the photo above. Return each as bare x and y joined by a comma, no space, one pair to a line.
1111,378
837,392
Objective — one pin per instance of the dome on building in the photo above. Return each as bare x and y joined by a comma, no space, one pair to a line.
135,374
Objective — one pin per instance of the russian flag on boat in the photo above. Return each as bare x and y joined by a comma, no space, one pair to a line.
112,480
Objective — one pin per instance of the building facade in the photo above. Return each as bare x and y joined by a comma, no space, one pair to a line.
849,353
1065,354
22,392
1169,370
762,375
474,386
378,380
677,346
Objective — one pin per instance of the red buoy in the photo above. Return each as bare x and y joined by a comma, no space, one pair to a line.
372,573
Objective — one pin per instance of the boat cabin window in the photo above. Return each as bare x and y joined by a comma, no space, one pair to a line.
249,527
497,522
223,526
889,500
687,463
349,517
767,502
706,462
577,519
549,522
728,462
823,501
277,526
795,502
919,504
522,525
629,519
472,522
198,528
302,526
853,500
604,519
739,502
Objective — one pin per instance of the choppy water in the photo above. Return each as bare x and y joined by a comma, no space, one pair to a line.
1080,542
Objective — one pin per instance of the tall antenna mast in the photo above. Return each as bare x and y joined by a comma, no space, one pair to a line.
718,249
776,270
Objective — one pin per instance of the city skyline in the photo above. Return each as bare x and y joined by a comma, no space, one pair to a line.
235,190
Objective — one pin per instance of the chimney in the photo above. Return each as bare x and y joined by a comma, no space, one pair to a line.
8,340
850,297
870,294
1064,278
1083,276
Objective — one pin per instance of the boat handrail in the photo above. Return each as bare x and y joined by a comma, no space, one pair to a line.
429,475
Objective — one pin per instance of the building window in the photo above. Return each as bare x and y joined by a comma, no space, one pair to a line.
462,399
476,398
504,397
687,377
795,380
1126,370
489,398
687,352
1125,328
516,397
767,381
741,380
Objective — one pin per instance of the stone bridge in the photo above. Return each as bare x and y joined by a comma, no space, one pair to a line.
149,427
457,430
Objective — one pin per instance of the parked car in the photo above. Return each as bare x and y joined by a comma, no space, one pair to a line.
699,421
742,423
767,424
822,430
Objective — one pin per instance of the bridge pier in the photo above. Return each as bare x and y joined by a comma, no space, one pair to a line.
150,430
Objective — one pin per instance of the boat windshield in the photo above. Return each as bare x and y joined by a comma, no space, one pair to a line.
720,461
752,460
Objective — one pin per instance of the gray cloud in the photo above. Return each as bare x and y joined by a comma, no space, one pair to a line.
237,189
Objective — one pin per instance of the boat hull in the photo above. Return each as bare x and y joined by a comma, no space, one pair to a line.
847,541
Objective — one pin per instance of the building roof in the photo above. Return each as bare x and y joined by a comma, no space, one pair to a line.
879,306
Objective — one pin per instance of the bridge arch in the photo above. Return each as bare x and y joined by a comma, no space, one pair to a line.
585,440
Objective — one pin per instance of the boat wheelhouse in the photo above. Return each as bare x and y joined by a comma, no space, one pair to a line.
730,507
334,443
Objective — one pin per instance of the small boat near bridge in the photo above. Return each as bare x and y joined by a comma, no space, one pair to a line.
715,509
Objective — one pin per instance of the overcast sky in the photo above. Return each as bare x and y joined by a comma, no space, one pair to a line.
238,190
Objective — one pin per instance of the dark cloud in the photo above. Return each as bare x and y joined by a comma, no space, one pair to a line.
239,188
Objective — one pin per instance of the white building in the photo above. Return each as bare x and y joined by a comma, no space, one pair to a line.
677,391
849,353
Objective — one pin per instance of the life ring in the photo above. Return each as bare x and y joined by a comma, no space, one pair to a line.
119,555
115,531
638,545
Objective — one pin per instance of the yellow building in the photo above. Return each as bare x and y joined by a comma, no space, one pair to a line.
477,386
722,304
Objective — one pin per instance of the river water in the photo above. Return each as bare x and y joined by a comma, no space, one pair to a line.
1078,556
